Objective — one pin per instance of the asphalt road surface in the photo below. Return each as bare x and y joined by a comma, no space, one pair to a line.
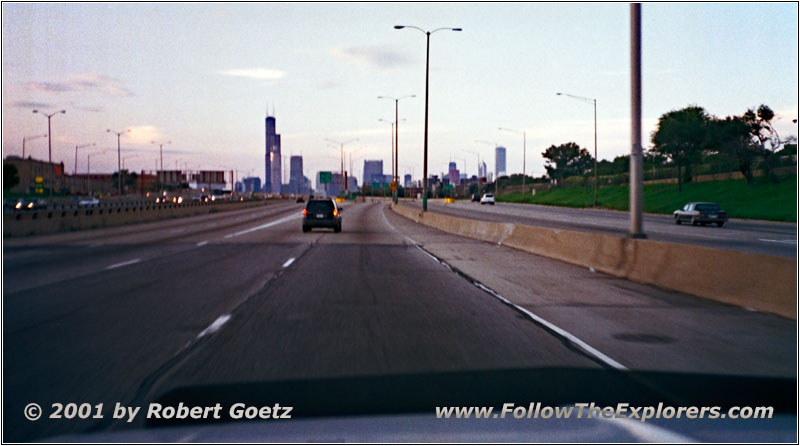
761,237
125,314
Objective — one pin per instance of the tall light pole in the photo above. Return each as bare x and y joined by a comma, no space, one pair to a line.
496,145
636,229
76,154
89,168
395,169
479,167
524,152
341,149
427,73
50,147
119,156
29,138
594,102
161,156
391,123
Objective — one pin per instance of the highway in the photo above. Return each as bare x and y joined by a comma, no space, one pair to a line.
125,314
754,236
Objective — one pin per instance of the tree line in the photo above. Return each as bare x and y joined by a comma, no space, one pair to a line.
688,137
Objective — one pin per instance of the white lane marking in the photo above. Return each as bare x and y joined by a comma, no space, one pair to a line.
176,231
288,262
214,325
264,226
554,328
203,243
791,242
118,265
648,432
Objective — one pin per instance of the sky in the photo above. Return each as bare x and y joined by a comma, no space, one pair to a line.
204,75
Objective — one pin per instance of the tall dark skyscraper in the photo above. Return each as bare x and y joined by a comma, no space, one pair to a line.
295,174
272,158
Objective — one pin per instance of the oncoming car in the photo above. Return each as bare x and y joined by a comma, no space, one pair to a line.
700,213
322,213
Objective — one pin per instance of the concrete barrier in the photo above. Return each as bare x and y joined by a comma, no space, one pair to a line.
761,282
62,220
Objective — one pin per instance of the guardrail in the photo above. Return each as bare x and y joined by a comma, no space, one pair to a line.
63,218
757,281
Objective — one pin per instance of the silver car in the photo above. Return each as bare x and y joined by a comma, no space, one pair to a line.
700,213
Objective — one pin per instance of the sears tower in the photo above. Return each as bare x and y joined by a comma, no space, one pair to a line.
272,159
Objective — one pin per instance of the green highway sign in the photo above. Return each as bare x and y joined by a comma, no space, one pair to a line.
325,177
376,185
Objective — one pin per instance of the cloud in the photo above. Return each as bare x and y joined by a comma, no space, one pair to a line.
378,57
82,82
143,134
255,73
31,104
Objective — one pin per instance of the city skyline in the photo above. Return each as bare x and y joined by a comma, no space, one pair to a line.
153,72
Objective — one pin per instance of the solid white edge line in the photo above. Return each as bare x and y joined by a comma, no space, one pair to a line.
558,330
203,243
216,325
119,265
288,262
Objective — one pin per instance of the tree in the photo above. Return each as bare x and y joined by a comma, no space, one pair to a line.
763,134
10,176
566,160
732,137
681,135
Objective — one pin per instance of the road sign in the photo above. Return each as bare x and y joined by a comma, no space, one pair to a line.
393,186
376,185
325,177
448,187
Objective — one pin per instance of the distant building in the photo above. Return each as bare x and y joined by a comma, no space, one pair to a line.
208,181
251,185
272,158
453,174
28,169
296,174
407,180
499,161
482,170
373,172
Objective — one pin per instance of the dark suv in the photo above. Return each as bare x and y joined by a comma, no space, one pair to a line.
322,213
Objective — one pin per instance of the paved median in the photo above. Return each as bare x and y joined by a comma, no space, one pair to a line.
761,282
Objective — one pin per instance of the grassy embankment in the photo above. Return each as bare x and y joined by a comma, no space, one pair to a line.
762,200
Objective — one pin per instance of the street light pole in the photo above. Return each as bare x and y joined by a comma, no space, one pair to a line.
50,147
427,75
161,156
341,151
395,167
594,102
636,229
119,157
29,138
524,155
76,155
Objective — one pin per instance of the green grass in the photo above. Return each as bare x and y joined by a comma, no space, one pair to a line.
761,200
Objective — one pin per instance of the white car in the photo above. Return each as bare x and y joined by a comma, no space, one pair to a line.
87,202
487,199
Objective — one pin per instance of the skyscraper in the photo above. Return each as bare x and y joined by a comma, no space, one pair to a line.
499,161
272,163
482,170
295,174
407,180
373,172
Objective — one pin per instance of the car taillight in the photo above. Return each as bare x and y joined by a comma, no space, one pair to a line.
335,212
305,212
